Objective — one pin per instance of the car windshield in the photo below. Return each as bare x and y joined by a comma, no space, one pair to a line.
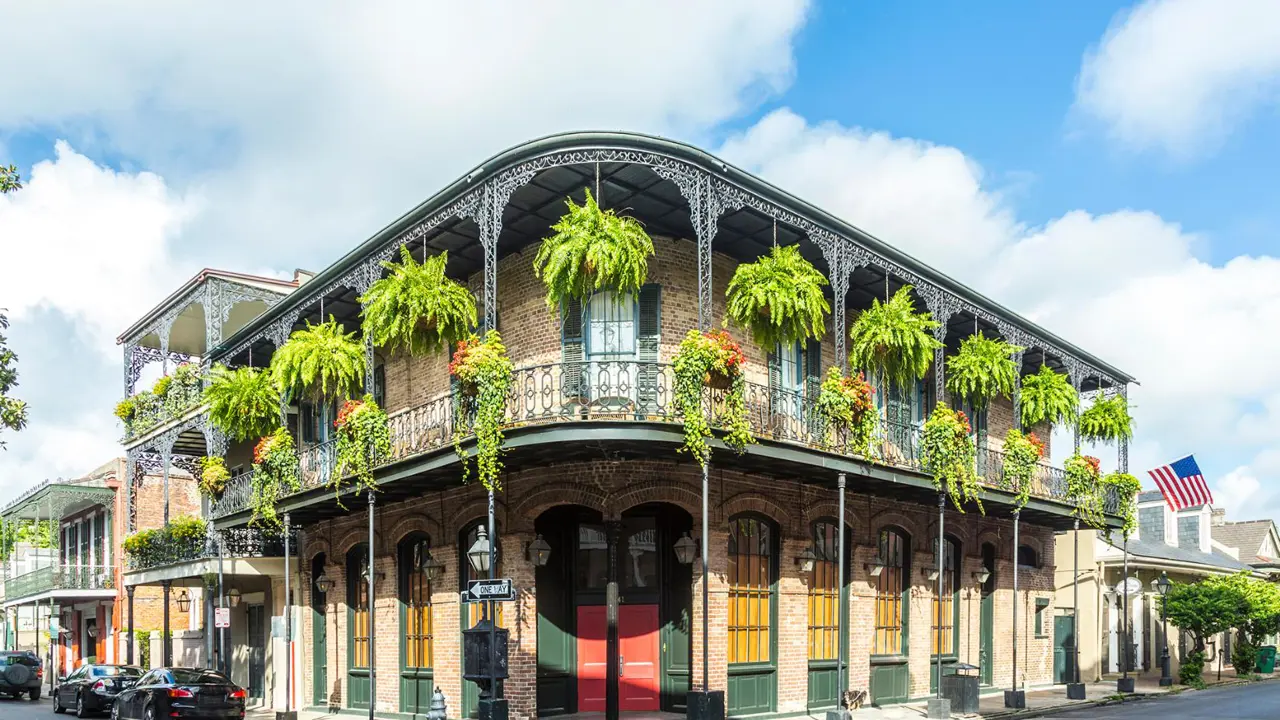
187,676
114,670
15,658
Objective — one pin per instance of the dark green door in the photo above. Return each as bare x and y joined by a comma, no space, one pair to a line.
986,620
824,621
257,652
359,642
319,639
1064,638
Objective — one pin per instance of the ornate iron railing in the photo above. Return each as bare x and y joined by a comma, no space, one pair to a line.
151,411
59,577
633,391
241,542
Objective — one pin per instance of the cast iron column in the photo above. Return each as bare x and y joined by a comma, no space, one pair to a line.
132,639
1075,690
1126,684
841,711
1014,698
941,565
288,625
223,663
166,647
373,667
706,589
613,671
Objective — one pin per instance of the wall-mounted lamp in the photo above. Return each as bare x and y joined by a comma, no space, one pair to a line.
427,564
982,576
324,584
875,567
184,601
806,560
538,552
930,572
686,548
233,596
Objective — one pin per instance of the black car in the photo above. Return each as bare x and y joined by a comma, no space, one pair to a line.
93,688
180,693
21,673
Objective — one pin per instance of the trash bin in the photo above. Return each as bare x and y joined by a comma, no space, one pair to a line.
1266,659
960,686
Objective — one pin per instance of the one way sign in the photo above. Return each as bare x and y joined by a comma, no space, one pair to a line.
496,589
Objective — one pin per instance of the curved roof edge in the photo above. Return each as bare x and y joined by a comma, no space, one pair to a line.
592,140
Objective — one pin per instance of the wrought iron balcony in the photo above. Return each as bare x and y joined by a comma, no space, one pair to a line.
59,577
241,542
644,392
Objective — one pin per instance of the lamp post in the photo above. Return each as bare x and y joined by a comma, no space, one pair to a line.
1161,585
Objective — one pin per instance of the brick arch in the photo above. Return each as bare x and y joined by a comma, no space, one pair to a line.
354,537
550,495
415,521
987,535
680,495
830,509
763,504
1034,543
896,519
474,509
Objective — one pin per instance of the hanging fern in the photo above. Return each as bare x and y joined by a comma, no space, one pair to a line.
243,403
417,308
1047,396
778,298
983,369
893,341
592,249
320,361
947,452
1107,420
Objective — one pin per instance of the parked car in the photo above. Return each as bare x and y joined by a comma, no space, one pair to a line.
180,693
21,673
93,688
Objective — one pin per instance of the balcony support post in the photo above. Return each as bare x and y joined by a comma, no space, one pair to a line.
1015,698
373,604
288,623
166,645
1017,390
130,639
54,661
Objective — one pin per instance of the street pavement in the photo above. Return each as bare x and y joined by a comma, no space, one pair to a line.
1255,701
24,709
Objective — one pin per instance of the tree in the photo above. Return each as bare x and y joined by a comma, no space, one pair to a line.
13,412
10,180
38,533
1262,616
1203,609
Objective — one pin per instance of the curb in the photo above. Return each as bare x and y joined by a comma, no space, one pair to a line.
1105,702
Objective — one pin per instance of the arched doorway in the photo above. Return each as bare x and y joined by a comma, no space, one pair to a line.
654,610
319,637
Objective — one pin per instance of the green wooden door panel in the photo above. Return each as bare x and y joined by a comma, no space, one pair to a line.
986,641
1063,639
822,686
358,689
319,659
890,683
416,689
751,691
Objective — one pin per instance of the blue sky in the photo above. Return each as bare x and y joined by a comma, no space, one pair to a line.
1104,167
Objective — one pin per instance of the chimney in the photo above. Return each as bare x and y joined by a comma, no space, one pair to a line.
301,276
1219,517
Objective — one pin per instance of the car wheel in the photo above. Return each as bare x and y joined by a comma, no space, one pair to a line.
34,694
57,706
149,713
80,711
115,711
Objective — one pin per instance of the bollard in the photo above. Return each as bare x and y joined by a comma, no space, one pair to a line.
438,709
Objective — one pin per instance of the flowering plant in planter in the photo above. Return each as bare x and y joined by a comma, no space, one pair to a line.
364,440
948,453
213,476
1022,453
1126,488
483,371
846,403
711,359
275,472
182,391
1084,488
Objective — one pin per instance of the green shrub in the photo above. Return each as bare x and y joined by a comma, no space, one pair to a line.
1192,670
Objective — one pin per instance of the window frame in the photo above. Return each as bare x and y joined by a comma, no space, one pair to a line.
407,573
951,556
899,597
767,592
824,593
1039,613
590,355
1034,553
357,558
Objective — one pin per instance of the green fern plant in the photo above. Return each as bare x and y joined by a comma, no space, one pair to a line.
1047,396
983,369
778,298
319,361
417,308
893,341
1107,420
243,403
592,249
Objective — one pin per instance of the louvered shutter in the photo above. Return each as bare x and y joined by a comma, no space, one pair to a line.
306,418
647,343
812,373
571,351
777,393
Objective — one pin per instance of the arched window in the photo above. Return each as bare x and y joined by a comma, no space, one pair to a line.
1028,557
891,594
415,599
752,574
824,595
358,607
946,608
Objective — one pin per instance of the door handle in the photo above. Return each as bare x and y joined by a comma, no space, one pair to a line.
622,664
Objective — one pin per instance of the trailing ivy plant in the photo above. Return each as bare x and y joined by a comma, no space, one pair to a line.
948,453
711,359
1084,489
364,442
243,403
1107,420
182,389
1047,396
319,361
213,476
982,370
1126,488
778,298
139,413
275,474
893,341
846,405
592,249
484,374
417,308
1022,455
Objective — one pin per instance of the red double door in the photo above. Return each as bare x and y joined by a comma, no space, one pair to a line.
637,665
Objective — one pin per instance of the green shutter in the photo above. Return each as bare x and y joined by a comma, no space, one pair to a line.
812,372
571,352
647,343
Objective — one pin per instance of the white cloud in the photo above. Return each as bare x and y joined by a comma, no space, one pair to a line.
1125,285
1180,74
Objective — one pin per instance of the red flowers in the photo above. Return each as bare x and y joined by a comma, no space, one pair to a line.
261,449
348,409
964,422
461,352
732,351
1037,442
1094,463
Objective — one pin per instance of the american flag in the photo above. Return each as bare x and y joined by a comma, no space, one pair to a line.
1182,484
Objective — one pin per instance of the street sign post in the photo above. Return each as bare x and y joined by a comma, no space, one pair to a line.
498,589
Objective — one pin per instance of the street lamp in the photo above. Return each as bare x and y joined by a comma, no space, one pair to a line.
538,552
685,549
981,577
428,565
1161,584
233,595
324,584
479,552
806,560
184,601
